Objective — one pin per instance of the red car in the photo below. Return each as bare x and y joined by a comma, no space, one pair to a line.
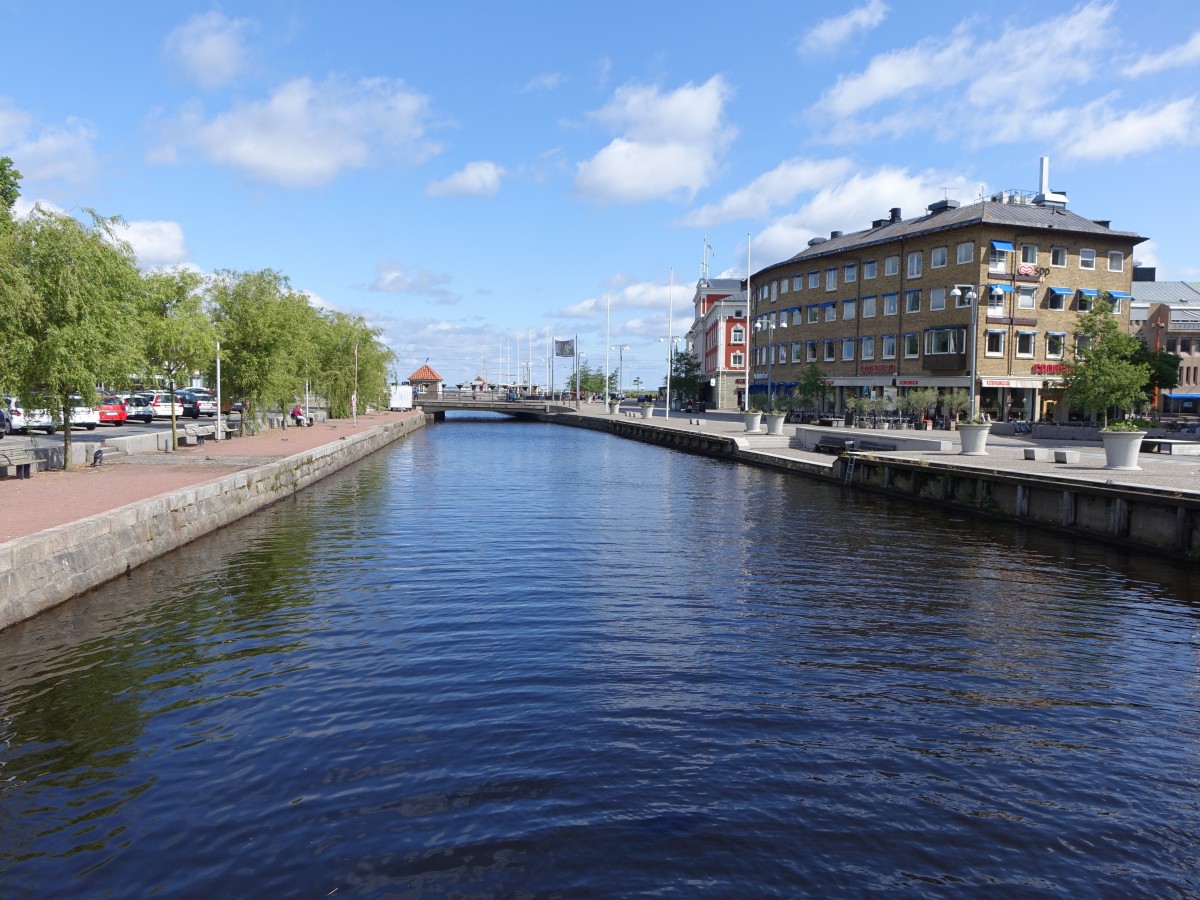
112,411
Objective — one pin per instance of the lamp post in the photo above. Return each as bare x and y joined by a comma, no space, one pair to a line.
620,366
769,327
671,343
1159,325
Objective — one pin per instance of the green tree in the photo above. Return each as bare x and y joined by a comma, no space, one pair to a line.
256,326
179,338
1164,368
685,375
1103,374
83,286
10,184
336,335
813,387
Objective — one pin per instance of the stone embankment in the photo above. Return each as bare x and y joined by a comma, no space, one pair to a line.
41,569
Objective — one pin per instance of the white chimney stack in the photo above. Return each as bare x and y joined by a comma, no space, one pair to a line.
1045,196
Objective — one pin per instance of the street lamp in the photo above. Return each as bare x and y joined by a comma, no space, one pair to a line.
768,325
620,366
671,345
972,298
1159,325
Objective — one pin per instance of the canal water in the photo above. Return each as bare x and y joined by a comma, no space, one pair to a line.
521,660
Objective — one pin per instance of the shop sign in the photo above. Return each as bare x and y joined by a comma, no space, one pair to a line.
909,382
878,369
1049,368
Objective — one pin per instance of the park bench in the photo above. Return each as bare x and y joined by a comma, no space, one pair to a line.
192,436
24,461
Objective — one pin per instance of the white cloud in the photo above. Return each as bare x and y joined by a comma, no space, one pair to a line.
829,34
1101,133
546,81
474,179
770,190
391,278
209,48
633,295
156,243
307,133
852,205
669,144
48,152
1186,54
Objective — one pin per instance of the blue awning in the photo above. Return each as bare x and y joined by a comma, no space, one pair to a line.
1007,288
1004,246
1182,396
1088,292
1120,295
1063,292
829,303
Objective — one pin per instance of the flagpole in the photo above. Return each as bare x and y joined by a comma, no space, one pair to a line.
354,396
607,339
749,306
576,370
670,339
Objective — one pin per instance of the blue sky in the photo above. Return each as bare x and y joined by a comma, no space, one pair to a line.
465,174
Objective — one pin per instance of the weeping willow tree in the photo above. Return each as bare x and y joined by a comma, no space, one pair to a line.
344,342
179,337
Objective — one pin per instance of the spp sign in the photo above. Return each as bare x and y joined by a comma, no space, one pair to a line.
1031,270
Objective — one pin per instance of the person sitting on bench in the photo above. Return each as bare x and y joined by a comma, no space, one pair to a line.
298,416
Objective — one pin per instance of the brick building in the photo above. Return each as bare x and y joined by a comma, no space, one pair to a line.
890,307
1166,316
718,340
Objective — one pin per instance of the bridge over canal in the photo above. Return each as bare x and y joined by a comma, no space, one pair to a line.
438,406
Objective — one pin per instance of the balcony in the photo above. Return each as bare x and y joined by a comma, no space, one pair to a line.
941,362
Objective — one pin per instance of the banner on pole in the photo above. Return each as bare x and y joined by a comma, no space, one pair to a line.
564,348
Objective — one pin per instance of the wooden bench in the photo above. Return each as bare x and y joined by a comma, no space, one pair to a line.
193,436
24,461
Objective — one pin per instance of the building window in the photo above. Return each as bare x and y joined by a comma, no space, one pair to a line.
964,290
889,304
998,261
912,346
764,292
811,351
996,303
738,335
868,307
1054,300
1084,304
783,286
939,341
738,360
937,298
1116,304
1026,342
849,308
891,266
814,279
774,291
797,316
1087,259
1029,254
812,315
797,282
914,264
831,312
850,273
1116,261
831,279
1083,343
1058,257
1054,345
937,258
772,356
993,345
847,348
887,346
1025,298
868,348
828,351
797,353
964,253
869,269
912,301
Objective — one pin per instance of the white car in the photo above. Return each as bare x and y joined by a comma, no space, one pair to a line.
162,404
25,420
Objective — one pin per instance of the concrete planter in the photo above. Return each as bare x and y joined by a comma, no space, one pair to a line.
974,439
1121,449
774,422
614,408
752,420
647,412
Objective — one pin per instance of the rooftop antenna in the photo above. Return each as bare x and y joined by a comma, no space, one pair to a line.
707,250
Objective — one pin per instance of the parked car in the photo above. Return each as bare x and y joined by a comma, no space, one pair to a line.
5,421
112,410
138,407
83,415
25,420
161,404
195,404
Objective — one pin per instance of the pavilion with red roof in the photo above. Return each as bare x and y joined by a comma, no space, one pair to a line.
426,381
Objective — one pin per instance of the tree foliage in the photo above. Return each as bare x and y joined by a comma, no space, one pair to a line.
1164,368
685,375
1103,374
82,287
10,184
179,338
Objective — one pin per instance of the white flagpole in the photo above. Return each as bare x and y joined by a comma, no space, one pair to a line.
607,339
219,428
749,307
670,339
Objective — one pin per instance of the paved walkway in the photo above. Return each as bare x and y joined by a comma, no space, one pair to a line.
59,497
1175,473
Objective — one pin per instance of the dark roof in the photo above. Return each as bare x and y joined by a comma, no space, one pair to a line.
1016,215
720,284
1169,292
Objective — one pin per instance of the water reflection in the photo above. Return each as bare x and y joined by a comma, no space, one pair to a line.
506,658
